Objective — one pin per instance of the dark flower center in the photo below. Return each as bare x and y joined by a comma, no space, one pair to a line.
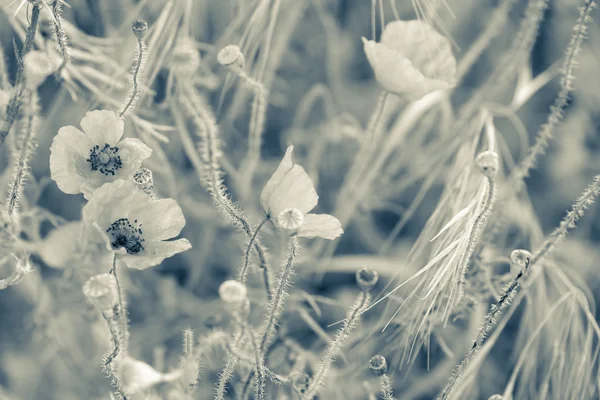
105,159
127,235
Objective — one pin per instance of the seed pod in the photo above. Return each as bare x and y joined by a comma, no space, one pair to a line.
290,220
143,180
232,57
139,28
378,365
366,278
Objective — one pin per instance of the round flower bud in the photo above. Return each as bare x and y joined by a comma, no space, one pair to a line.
101,290
488,164
366,278
519,262
290,220
233,292
37,67
139,28
231,57
378,365
185,58
143,180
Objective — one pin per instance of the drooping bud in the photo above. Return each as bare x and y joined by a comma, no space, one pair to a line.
378,365
366,279
488,163
519,262
232,57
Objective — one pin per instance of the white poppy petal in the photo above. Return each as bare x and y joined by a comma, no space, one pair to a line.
393,72
112,201
103,126
162,219
68,153
285,165
138,376
295,190
320,225
155,252
136,151
412,59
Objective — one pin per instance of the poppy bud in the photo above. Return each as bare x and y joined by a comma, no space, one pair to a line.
139,28
231,57
487,162
378,365
519,262
366,278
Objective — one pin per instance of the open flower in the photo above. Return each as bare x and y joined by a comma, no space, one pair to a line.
412,59
134,225
81,162
289,195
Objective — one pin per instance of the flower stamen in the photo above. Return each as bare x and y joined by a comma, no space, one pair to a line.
127,235
105,159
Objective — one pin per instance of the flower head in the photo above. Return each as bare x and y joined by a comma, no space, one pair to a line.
378,365
412,59
134,225
139,28
291,192
488,163
232,57
233,292
81,162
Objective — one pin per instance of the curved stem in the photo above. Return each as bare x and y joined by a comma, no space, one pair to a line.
244,271
136,73
12,110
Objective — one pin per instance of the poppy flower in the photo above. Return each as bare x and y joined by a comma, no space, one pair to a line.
134,225
80,162
412,59
288,197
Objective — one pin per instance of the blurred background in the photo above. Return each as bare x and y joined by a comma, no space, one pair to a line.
321,94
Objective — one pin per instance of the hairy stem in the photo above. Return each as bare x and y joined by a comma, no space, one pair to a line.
12,111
